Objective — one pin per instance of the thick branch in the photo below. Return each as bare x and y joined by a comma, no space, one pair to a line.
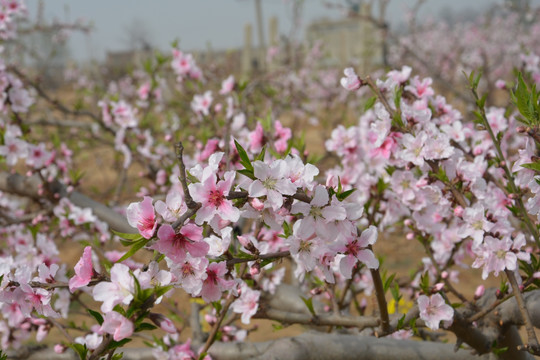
319,320
321,346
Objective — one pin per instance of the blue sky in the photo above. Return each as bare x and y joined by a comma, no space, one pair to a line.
199,23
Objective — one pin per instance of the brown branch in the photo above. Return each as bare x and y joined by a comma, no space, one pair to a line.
215,328
381,300
255,257
191,204
532,345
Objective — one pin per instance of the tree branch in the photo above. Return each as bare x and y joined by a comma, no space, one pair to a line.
28,186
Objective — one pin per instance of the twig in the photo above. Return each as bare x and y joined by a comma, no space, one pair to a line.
381,300
255,257
380,95
191,204
489,309
215,328
532,345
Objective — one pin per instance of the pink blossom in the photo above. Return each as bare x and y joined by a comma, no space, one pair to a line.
215,284
271,182
116,325
173,207
83,270
283,134
124,115
227,85
247,304
213,198
13,149
256,138
177,245
355,250
190,273
141,215
433,310
351,81
119,290
201,103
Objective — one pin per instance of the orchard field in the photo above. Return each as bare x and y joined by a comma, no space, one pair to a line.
185,209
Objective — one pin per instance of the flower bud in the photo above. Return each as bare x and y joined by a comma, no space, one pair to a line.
255,269
458,211
479,292
409,236
437,287
60,348
163,322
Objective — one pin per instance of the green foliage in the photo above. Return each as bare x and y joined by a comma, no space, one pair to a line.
135,246
309,305
526,101
80,349
96,316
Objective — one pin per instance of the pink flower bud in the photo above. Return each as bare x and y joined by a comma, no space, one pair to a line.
257,204
163,322
407,222
409,236
438,287
244,241
168,137
458,211
479,292
444,274
500,84
218,107
255,269
59,348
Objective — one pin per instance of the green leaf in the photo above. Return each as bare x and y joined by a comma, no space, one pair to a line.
134,248
287,231
424,283
145,326
118,356
370,102
387,282
342,196
162,290
248,173
401,322
80,349
217,305
96,316
260,157
532,166
128,236
309,304
117,344
244,158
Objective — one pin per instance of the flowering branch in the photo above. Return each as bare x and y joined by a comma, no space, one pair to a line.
192,205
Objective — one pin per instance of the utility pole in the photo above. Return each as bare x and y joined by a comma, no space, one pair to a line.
260,33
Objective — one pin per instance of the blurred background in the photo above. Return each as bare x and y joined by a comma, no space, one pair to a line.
249,34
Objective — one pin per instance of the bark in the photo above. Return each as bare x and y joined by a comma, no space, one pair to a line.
320,346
